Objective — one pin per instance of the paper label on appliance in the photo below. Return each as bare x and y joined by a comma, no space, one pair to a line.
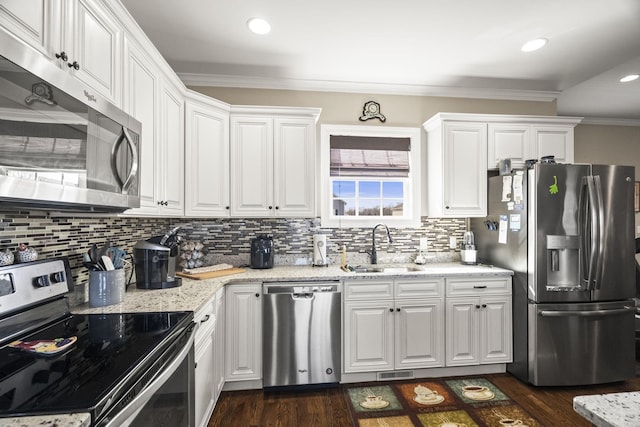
506,188
502,229
510,206
514,222
517,187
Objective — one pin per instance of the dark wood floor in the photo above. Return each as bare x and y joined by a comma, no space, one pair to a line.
553,406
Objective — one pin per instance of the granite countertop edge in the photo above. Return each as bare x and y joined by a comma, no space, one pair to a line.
194,294
82,419
610,409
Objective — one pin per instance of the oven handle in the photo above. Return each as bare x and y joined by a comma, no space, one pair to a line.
145,396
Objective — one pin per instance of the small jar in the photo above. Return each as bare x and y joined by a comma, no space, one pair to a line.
26,254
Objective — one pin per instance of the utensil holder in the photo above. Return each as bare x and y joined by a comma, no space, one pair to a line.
106,287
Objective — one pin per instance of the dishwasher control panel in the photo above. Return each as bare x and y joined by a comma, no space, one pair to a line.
301,287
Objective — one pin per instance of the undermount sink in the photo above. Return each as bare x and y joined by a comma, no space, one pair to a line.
386,269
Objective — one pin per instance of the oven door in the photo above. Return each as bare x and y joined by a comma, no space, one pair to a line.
167,400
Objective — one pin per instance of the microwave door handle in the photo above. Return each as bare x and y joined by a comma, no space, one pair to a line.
134,162
124,136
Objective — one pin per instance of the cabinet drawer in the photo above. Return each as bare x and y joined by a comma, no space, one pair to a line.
368,289
205,320
419,288
478,286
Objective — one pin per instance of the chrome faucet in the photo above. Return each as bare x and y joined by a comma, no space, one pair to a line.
374,255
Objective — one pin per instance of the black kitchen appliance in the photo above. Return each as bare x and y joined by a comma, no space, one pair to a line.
262,252
122,369
155,260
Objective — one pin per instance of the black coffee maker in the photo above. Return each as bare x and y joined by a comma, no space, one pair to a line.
155,261
262,252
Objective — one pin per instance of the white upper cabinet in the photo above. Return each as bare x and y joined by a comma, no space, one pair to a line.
520,138
207,157
273,161
456,168
80,36
170,179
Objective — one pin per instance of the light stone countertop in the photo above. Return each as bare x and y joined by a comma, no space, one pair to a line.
193,294
610,410
59,420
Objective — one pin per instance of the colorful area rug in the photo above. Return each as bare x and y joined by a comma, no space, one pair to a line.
457,402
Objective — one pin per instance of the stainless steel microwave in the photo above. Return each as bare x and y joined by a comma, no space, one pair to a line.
62,145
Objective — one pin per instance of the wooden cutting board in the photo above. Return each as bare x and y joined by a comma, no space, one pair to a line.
211,274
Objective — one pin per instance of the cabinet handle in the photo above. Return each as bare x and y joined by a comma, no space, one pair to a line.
270,207
74,65
206,318
484,305
446,207
480,287
277,207
62,55
257,295
477,306
391,310
397,309
226,207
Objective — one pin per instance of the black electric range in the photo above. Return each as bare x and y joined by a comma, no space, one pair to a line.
114,358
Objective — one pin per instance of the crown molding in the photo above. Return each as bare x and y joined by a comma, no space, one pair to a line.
249,82
606,121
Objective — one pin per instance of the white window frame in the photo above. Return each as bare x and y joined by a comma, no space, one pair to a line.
413,203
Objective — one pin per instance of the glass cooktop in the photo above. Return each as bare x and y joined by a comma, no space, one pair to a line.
111,351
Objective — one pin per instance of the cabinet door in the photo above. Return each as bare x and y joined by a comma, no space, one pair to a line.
204,382
496,330
294,167
509,141
218,344
31,21
462,331
252,166
419,332
93,41
207,161
368,336
243,358
171,172
142,97
553,141
465,169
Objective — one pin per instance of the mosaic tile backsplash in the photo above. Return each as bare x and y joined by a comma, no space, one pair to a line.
225,240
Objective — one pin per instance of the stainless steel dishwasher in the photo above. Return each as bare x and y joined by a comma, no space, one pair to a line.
301,333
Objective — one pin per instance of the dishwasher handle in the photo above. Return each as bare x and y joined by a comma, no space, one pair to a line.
303,296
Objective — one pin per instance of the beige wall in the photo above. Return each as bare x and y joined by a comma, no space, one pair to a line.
608,145
345,108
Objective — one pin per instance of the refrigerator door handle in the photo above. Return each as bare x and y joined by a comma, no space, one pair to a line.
599,208
585,313
591,232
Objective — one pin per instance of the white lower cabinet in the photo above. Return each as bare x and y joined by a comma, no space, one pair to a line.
209,357
393,324
478,321
243,343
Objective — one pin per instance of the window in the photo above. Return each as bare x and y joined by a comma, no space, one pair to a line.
370,174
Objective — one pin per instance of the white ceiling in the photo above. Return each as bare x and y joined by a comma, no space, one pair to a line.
421,47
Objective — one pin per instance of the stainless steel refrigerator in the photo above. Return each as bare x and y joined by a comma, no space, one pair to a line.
567,231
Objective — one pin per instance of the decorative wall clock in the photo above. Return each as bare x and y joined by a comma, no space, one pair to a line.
371,110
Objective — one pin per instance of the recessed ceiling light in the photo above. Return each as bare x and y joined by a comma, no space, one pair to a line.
629,78
534,44
259,26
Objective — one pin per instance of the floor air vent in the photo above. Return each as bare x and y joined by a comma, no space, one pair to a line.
395,375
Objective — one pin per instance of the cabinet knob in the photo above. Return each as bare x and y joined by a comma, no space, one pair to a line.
257,295
74,65
226,207
277,207
391,310
62,55
270,207
446,207
477,306
397,309
484,305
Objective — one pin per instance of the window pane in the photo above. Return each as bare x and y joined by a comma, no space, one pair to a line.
344,188
369,189
369,207
392,189
344,207
393,208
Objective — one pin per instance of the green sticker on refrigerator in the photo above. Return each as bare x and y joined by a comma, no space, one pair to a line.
553,188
